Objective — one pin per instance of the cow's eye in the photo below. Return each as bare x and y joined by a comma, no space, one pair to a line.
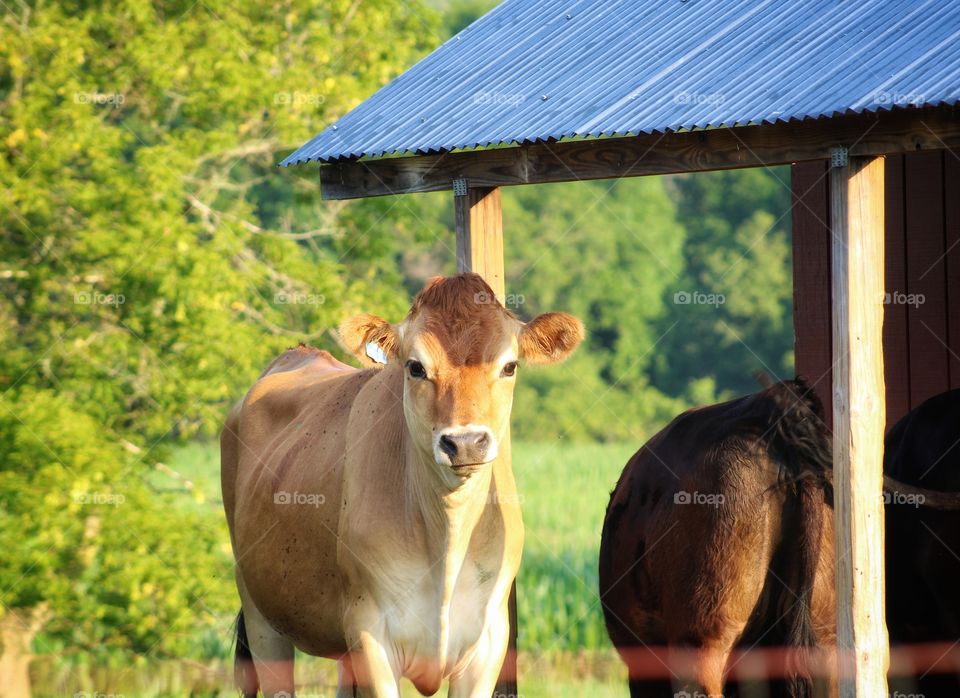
509,369
416,369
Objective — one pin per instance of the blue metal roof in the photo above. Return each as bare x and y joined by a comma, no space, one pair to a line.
535,70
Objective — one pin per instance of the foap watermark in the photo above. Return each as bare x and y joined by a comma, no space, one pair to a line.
103,99
111,498
301,498
713,98
699,298
511,300
504,498
900,298
899,99
98,298
96,694
695,694
684,497
910,499
487,97
901,694
298,99
297,298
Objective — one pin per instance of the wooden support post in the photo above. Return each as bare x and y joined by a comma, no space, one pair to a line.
480,235
856,207
479,228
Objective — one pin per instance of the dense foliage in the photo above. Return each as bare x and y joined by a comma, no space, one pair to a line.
737,250
153,259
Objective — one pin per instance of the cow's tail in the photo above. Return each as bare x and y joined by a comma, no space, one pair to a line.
244,673
802,445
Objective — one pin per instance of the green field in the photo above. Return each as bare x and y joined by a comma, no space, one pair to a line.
564,650
564,490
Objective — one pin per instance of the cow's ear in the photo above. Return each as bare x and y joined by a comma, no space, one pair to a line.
358,333
550,337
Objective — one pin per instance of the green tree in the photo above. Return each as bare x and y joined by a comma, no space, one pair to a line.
605,251
152,260
458,14
738,252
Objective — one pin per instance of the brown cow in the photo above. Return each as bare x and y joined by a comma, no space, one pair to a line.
373,513
718,535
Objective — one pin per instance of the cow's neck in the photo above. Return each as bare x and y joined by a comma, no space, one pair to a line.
449,508
448,505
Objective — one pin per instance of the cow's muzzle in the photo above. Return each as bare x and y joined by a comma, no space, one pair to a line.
462,446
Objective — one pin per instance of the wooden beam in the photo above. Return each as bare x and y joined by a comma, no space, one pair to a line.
697,151
479,228
856,205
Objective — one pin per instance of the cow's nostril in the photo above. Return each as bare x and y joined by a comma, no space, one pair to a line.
482,440
448,446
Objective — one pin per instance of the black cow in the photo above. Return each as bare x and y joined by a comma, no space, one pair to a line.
923,544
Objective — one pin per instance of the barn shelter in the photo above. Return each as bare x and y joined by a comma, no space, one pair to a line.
859,98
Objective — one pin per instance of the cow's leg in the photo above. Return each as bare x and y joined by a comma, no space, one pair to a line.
705,673
272,652
652,688
479,677
346,681
710,665
375,667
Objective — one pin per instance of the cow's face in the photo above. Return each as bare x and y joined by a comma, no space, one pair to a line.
460,351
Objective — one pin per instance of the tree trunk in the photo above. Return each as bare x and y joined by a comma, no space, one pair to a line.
18,627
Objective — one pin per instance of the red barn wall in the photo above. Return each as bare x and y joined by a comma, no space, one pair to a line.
921,330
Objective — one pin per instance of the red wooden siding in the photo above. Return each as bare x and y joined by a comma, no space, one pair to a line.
896,358
951,179
926,274
811,278
921,334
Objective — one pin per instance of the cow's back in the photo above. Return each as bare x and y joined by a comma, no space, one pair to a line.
690,532
687,524
282,454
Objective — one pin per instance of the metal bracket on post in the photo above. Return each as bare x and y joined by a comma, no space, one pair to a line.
839,156
460,186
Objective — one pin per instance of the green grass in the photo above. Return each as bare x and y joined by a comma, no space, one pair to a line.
564,650
564,489
194,471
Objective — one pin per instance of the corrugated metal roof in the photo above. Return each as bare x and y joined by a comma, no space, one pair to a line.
533,70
